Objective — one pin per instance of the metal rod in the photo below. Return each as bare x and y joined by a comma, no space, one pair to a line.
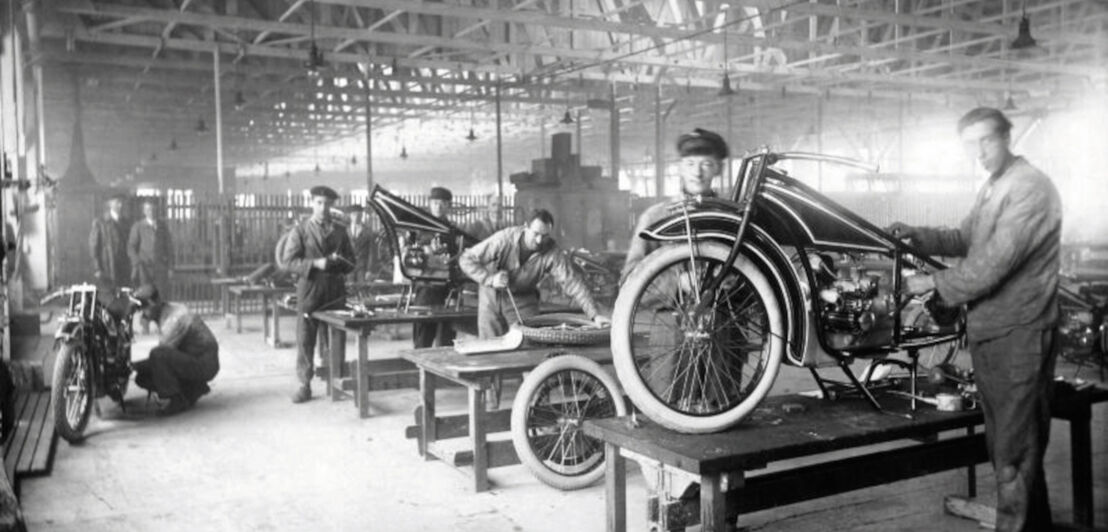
368,138
499,159
218,122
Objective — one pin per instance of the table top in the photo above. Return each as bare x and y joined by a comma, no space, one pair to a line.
243,290
346,319
447,362
770,433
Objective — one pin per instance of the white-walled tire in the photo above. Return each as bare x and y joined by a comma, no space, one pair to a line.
696,373
553,401
71,394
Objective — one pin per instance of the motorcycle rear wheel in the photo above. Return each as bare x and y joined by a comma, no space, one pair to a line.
72,392
697,373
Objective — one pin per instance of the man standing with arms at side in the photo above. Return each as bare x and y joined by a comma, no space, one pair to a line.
435,294
319,250
1011,244
107,244
150,249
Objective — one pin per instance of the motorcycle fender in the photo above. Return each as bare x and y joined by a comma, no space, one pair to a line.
767,254
70,330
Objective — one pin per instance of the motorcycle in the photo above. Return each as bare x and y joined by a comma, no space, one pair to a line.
775,273
92,349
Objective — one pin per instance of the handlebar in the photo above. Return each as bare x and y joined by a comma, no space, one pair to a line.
773,158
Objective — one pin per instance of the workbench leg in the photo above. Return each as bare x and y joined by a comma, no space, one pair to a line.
225,305
971,473
238,315
615,488
265,319
1081,464
713,507
427,411
477,437
337,351
361,387
276,323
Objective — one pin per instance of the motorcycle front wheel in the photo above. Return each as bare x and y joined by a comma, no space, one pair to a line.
697,371
72,393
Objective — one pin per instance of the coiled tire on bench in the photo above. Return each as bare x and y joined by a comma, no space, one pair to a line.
564,329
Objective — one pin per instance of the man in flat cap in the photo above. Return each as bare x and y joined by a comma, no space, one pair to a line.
186,357
703,154
107,244
516,259
435,294
319,250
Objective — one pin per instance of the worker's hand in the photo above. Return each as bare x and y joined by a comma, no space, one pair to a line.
499,280
602,321
918,284
902,231
320,263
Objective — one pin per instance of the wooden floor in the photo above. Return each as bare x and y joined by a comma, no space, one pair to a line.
247,459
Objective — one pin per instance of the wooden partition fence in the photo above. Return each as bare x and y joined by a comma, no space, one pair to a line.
228,236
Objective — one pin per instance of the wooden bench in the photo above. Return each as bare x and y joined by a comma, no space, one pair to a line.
811,428
30,450
461,440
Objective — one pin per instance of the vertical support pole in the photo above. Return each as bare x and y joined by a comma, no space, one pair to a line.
659,144
728,179
613,133
218,123
477,438
499,159
368,138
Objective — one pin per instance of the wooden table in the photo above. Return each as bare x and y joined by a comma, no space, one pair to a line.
267,293
338,323
224,284
476,373
773,435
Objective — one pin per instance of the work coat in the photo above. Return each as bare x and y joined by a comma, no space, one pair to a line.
318,289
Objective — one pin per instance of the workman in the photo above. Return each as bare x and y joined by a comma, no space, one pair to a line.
435,294
703,155
508,267
1011,242
186,358
319,250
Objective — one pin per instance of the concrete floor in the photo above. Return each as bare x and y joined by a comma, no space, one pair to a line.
247,459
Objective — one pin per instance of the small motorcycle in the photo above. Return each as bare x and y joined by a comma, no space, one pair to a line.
92,349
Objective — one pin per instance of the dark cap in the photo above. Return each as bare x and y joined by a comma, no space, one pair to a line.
702,142
440,193
146,293
326,192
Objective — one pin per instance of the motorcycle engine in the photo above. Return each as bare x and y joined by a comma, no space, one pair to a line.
855,301
1083,332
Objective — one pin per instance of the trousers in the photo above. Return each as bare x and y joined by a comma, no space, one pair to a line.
1015,374
170,371
432,334
495,311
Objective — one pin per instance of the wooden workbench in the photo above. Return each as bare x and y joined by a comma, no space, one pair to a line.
772,435
240,292
476,373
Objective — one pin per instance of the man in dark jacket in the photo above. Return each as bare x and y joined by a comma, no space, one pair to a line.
435,294
150,249
1011,244
703,155
516,259
319,251
361,238
107,244
186,358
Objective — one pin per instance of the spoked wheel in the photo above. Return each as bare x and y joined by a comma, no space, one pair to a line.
553,402
693,370
72,391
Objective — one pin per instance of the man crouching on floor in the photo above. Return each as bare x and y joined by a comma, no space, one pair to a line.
185,359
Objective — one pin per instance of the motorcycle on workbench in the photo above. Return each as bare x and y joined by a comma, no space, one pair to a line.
554,398
92,350
774,274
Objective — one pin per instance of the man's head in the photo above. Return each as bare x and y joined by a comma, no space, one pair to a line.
702,155
536,233
115,206
149,210
357,213
150,300
441,199
322,200
493,208
986,136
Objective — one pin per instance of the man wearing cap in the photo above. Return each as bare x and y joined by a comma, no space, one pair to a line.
319,250
150,249
703,154
361,239
516,259
489,223
107,244
435,294
186,358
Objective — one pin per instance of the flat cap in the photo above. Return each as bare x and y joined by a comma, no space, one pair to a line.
702,142
146,293
325,191
441,193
